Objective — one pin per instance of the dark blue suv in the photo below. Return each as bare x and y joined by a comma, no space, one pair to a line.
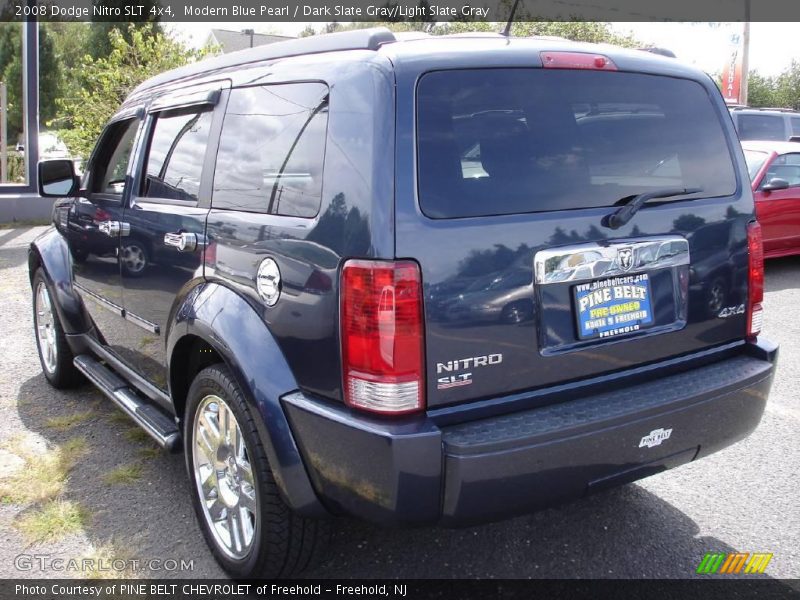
431,280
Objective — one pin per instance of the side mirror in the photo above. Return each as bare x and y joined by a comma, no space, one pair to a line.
57,178
776,183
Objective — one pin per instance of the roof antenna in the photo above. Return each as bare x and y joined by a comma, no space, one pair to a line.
507,30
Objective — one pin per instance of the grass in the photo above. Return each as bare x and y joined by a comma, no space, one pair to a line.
149,453
123,474
44,475
25,223
119,417
146,340
54,519
103,556
66,422
136,434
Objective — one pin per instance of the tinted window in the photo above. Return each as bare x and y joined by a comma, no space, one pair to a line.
761,127
795,125
272,150
110,162
504,141
175,159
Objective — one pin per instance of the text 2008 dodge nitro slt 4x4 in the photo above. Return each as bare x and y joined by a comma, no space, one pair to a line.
432,280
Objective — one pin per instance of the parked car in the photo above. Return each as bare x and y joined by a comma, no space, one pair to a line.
774,169
50,147
775,124
320,210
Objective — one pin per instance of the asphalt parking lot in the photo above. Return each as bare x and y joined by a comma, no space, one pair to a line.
130,501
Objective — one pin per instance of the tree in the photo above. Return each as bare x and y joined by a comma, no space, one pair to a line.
308,31
761,90
11,73
788,87
595,32
105,82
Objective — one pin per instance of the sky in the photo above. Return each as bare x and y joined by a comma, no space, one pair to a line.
772,45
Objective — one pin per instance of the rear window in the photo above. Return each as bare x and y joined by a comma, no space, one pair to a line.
761,127
503,141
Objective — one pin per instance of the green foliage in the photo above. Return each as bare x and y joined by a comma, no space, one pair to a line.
103,83
580,31
761,90
782,91
11,74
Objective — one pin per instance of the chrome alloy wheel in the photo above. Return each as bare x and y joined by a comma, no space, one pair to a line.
224,477
133,257
46,328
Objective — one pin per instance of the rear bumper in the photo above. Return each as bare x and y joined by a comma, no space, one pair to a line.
413,471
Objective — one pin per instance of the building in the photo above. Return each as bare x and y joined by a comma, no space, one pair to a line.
231,41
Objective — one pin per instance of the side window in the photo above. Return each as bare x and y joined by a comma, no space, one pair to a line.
110,162
786,166
175,157
272,150
795,125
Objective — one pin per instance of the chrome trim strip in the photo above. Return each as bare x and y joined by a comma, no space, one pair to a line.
107,304
143,323
584,262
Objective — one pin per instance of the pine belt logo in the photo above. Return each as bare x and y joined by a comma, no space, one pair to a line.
733,563
655,437
459,379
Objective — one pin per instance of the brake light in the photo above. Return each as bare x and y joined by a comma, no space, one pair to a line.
577,60
755,280
381,335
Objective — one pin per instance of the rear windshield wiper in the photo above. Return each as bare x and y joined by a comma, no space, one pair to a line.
624,214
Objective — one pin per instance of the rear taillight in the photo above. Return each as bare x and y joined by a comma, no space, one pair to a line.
755,284
382,339
577,60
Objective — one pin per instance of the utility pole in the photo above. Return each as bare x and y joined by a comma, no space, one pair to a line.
251,33
3,133
745,52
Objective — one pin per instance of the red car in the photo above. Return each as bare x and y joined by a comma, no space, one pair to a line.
775,174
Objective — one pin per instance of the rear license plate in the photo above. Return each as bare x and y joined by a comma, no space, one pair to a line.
612,307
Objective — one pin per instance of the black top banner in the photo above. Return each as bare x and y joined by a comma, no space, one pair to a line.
398,10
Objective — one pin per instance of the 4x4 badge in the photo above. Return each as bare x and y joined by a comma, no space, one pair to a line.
625,258
268,281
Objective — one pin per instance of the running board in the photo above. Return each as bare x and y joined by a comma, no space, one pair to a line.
158,425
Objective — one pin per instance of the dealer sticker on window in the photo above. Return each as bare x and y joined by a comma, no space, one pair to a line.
611,307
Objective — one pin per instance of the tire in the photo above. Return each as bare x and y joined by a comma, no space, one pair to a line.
273,541
55,354
133,258
79,256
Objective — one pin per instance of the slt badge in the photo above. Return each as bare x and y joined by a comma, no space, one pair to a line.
268,281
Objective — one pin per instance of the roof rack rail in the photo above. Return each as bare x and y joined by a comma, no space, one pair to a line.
357,39
764,108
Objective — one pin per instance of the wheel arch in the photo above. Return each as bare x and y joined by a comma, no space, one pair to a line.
51,252
213,324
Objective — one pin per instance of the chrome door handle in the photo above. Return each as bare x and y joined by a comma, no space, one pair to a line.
114,228
183,241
